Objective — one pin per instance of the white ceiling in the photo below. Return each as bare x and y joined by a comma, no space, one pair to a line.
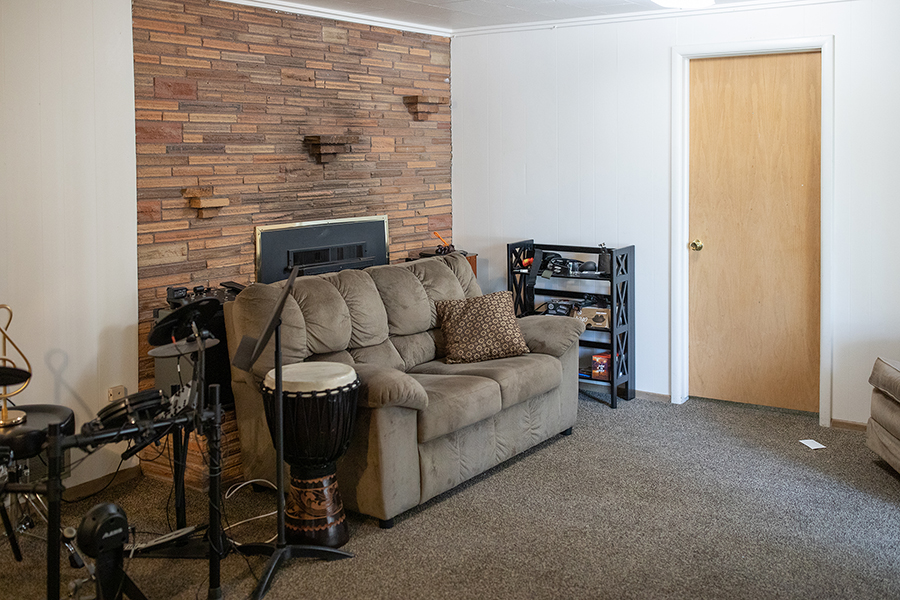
454,16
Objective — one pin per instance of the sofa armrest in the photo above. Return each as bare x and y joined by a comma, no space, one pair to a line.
383,386
550,334
886,377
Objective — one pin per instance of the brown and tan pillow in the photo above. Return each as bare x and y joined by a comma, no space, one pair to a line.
480,328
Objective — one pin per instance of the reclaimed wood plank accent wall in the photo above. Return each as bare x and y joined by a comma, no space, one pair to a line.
225,95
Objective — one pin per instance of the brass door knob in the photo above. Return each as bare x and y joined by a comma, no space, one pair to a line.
696,246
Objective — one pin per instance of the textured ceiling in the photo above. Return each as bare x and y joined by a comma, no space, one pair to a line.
447,16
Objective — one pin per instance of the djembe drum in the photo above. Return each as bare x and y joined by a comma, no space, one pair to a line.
319,408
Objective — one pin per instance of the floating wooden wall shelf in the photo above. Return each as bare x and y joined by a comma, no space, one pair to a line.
201,198
422,106
325,148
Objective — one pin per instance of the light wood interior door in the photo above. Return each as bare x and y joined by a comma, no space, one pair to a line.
755,206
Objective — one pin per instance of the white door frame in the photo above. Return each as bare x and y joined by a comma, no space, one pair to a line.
681,57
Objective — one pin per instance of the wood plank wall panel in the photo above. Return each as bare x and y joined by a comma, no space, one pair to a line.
224,95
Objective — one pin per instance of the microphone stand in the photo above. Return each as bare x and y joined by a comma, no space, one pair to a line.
247,354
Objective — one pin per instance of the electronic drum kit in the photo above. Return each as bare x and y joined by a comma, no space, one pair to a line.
320,411
142,418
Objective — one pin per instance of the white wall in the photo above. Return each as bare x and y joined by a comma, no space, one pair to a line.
560,135
68,225
564,135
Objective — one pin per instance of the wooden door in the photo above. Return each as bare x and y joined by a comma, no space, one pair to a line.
755,206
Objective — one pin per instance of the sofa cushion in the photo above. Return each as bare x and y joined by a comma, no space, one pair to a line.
405,301
519,377
460,266
250,313
380,386
439,281
550,334
341,356
325,312
886,377
480,328
455,402
368,319
384,354
418,348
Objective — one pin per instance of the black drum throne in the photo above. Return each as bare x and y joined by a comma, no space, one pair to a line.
23,435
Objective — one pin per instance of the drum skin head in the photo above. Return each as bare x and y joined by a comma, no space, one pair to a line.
308,377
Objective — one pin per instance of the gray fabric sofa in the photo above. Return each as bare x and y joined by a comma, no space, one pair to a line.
423,426
883,429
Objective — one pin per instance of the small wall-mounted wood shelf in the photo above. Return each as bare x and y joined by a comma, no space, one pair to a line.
422,106
201,198
325,148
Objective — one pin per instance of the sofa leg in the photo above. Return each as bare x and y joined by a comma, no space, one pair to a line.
567,432
385,523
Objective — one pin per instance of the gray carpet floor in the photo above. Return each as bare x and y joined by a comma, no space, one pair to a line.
651,500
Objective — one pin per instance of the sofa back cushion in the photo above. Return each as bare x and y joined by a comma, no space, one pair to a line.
328,326
342,311
404,298
460,266
409,292
381,315
249,315
368,319
439,282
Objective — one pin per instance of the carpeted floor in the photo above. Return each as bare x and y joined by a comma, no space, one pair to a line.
651,500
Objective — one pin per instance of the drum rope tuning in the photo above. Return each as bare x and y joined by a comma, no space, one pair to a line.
319,411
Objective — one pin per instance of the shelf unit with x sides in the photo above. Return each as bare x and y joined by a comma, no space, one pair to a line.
618,338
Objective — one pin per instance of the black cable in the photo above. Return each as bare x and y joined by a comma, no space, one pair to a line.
171,493
88,453
181,462
200,587
235,544
91,495
159,454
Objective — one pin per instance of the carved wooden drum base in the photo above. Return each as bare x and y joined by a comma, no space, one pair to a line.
314,513
319,403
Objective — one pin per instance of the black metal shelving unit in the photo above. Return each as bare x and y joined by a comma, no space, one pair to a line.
618,339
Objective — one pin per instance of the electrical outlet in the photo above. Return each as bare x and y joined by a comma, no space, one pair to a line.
116,393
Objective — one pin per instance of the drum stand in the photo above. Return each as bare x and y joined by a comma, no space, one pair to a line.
208,419
53,488
247,354
182,543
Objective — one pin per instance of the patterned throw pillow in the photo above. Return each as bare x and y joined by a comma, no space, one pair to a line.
480,328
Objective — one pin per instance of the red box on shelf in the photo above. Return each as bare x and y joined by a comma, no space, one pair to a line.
600,365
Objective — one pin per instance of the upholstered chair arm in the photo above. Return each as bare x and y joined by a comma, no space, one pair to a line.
383,386
886,377
550,334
